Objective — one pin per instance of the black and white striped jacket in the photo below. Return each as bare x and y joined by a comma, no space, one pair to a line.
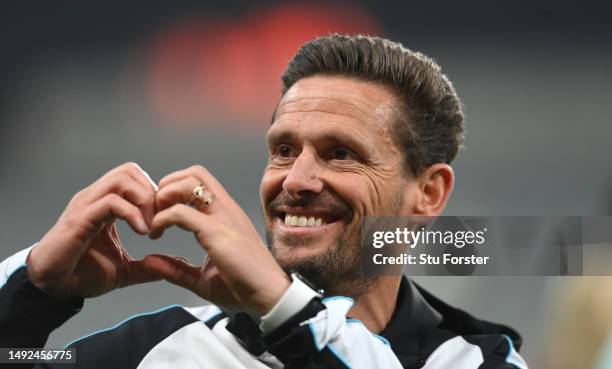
423,333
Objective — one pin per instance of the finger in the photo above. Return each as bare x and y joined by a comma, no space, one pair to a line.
148,209
137,273
173,177
112,228
198,172
130,169
125,185
114,206
150,180
178,192
112,242
121,183
174,269
180,215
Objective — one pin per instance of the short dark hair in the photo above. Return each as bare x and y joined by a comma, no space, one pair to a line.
430,128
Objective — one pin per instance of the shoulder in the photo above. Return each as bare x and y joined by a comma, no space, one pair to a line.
485,351
466,342
128,342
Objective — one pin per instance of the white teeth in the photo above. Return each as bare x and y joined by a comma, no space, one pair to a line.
302,221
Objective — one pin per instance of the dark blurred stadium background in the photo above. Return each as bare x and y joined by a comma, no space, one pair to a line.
85,86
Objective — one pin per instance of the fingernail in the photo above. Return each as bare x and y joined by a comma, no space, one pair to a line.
142,226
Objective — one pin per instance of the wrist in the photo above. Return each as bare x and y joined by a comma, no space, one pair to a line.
42,280
299,294
276,292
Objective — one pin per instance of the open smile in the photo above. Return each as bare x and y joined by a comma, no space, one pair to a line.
305,221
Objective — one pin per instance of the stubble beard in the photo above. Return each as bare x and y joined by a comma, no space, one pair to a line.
338,270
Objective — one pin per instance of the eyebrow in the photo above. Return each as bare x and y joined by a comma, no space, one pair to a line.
283,136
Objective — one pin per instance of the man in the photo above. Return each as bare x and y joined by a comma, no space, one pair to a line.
364,127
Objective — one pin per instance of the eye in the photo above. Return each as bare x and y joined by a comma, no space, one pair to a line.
341,153
284,151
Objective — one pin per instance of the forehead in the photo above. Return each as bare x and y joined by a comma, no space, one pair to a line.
335,104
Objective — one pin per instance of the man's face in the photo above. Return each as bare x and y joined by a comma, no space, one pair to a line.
332,161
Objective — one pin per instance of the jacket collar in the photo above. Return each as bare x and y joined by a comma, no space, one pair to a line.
412,321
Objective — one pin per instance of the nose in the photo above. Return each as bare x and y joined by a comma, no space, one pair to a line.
303,178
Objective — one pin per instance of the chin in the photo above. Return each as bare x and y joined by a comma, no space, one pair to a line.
297,254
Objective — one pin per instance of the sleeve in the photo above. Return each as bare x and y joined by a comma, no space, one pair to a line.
28,315
503,356
321,336
480,351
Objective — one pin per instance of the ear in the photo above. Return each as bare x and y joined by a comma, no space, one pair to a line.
434,186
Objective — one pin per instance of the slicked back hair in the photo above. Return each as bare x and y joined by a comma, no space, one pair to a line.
429,129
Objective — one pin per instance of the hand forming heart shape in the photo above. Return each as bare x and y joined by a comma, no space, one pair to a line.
82,255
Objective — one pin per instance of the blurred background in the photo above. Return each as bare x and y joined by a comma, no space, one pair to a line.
86,86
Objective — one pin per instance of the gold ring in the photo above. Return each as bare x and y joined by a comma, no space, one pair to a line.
199,192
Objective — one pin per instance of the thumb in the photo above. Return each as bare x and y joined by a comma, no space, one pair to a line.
137,273
175,269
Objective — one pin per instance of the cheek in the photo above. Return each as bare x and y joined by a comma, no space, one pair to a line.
375,190
368,190
271,185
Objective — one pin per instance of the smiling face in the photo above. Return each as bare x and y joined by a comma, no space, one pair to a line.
332,161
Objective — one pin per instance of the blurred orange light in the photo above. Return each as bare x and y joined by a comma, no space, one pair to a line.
227,71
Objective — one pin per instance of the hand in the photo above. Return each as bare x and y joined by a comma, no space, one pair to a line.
239,272
82,254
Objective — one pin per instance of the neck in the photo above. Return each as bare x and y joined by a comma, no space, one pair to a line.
375,307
